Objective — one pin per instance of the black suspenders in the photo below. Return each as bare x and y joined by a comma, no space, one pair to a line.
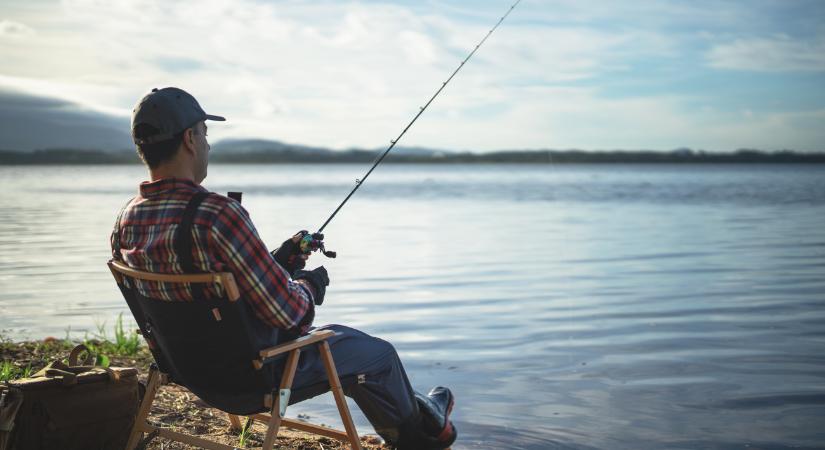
184,241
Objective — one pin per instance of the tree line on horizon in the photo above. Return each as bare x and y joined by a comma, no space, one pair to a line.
300,155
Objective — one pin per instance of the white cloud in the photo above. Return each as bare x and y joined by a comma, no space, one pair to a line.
329,73
561,118
797,130
353,74
774,54
88,95
14,30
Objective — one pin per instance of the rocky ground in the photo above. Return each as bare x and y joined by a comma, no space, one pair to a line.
174,406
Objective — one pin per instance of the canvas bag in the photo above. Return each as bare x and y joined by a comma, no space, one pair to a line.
69,407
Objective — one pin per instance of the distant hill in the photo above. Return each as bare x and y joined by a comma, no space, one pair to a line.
235,146
40,130
264,146
29,122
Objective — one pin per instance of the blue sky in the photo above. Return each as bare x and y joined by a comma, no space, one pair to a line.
557,74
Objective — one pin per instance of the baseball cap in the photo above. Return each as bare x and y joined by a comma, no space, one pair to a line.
170,110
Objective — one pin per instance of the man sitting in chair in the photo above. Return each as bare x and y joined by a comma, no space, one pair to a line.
169,130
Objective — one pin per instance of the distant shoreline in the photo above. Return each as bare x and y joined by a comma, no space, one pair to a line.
300,156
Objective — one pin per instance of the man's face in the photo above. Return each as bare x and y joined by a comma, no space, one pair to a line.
201,151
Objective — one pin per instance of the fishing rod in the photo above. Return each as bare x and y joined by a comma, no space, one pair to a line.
314,241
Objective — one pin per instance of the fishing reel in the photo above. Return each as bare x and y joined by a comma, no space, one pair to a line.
310,242
313,242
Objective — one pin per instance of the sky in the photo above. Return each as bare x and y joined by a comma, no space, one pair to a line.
557,74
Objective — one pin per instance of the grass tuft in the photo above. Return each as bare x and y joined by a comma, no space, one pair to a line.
10,371
124,343
245,432
20,360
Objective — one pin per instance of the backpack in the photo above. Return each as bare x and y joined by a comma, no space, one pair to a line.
69,407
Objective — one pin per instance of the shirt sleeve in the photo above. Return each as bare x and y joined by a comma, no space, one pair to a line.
114,237
276,299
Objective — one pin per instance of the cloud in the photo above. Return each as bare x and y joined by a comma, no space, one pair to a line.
179,64
797,130
345,74
14,30
326,73
774,54
573,117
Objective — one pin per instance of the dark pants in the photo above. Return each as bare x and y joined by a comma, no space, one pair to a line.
371,374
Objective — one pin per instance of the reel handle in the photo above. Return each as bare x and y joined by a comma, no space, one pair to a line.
314,242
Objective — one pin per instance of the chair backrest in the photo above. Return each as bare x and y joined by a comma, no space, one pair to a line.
208,346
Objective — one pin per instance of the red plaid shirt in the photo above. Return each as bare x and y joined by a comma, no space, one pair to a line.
224,240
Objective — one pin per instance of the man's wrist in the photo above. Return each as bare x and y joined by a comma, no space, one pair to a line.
308,286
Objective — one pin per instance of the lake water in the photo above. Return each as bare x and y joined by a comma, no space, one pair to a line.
574,306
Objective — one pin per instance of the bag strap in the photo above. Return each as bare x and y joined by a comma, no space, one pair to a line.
184,241
69,372
88,361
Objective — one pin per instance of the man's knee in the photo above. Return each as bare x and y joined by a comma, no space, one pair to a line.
355,350
385,346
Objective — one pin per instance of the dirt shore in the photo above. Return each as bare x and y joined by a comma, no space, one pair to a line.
174,406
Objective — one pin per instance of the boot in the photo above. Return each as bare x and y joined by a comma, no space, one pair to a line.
431,429
436,408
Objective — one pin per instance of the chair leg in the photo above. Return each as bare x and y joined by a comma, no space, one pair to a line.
234,422
152,385
275,414
338,393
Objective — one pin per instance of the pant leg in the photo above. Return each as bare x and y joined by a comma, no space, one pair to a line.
371,373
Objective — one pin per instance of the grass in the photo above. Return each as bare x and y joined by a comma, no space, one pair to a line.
245,432
124,343
20,360
10,371
173,406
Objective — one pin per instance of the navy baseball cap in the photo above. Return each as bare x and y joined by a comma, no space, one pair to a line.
170,110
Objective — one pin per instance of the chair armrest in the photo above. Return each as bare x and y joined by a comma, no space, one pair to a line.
302,341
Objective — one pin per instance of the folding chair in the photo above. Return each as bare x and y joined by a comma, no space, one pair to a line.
209,348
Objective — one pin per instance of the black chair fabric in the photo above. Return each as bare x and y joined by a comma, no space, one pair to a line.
212,358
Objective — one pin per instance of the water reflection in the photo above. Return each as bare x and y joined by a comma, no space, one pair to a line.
568,307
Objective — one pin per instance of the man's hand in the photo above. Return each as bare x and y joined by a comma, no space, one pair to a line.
289,254
318,278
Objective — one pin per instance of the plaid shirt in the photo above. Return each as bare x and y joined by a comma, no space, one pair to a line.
224,240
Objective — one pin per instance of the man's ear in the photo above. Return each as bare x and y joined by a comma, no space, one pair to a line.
189,140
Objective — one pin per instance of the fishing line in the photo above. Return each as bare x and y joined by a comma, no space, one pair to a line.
360,181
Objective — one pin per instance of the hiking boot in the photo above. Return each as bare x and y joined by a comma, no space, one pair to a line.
436,408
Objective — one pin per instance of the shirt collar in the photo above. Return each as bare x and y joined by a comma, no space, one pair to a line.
168,185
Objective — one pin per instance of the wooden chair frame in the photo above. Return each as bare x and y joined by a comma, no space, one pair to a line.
277,403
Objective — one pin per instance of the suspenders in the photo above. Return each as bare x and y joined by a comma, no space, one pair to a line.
183,241
183,237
